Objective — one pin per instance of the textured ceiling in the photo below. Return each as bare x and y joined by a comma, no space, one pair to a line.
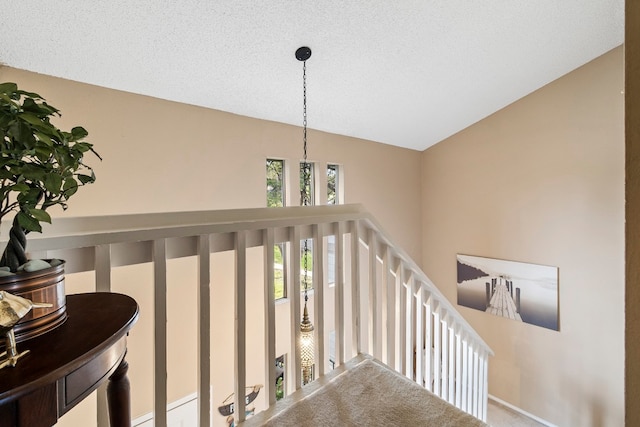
406,72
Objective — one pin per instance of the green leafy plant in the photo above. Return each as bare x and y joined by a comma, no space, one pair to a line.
279,388
41,166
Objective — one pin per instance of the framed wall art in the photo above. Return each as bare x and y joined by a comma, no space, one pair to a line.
516,290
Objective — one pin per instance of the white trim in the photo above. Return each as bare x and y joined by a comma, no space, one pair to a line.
170,407
283,300
520,411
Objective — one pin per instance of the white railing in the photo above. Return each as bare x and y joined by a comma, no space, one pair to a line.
382,302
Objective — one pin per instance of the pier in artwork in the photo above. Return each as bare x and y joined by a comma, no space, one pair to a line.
500,298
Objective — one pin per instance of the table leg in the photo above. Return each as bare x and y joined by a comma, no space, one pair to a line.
118,397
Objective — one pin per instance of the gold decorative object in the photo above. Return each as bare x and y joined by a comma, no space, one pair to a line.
12,309
306,347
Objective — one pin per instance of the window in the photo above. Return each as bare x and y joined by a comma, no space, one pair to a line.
333,189
279,271
306,257
332,184
309,188
275,198
275,183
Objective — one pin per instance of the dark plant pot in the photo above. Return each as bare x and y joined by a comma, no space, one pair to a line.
39,286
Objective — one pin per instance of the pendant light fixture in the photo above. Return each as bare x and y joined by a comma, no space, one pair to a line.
307,350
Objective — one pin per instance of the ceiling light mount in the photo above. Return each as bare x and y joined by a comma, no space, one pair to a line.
303,53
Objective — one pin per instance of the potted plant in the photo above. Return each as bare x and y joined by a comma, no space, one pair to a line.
41,166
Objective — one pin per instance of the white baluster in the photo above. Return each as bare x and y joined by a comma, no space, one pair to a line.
355,287
419,333
294,300
160,331
411,327
437,350
476,376
373,313
388,307
481,380
268,243
465,375
339,295
402,320
103,284
470,374
452,370
204,330
103,268
459,381
485,384
318,298
428,345
444,336
240,336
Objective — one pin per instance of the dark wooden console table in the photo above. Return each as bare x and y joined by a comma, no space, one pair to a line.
66,364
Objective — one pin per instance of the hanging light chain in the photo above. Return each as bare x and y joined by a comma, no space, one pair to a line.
306,178
306,327
306,174
304,108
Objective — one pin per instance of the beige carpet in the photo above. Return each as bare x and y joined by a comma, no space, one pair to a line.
368,394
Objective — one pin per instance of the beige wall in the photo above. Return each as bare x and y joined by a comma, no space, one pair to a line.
164,156
542,181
